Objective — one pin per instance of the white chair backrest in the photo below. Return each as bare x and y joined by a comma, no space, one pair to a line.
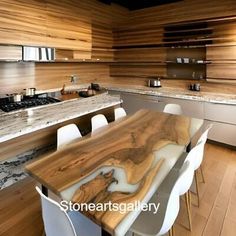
172,211
119,113
203,137
174,109
67,134
98,121
195,156
185,178
56,221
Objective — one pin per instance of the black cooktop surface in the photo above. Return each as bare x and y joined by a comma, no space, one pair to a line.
7,105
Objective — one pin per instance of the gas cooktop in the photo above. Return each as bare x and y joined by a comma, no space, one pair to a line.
27,102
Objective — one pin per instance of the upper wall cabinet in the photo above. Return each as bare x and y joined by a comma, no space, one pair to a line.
10,53
50,23
23,22
68,25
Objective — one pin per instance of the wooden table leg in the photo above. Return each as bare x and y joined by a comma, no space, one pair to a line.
44,190
105,233
188,148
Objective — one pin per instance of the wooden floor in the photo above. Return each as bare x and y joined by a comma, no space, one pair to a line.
217,212
20,210
20,207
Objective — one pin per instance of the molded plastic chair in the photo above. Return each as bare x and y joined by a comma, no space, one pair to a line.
57,222
67,134
174,109
184,183
119,113
98,121
197,158
147,221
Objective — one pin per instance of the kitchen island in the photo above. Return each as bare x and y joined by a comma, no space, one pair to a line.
29,133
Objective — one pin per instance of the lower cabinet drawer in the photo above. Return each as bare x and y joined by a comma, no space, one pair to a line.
220,112
221,132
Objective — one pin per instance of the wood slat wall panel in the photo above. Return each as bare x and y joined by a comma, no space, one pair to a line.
223,53
185,10
103,54
84,17
68,25
138,36
142,70
23,22
10,53
141,54
222,72
16,76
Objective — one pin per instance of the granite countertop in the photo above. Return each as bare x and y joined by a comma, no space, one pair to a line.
17,123
176,93
170,92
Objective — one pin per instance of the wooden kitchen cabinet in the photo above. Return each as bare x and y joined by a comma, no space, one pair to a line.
10,53
23,22
68,26
47,23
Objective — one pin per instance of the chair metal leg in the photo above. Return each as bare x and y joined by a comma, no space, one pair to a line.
197,187
203,179
171,231
190,198
188,203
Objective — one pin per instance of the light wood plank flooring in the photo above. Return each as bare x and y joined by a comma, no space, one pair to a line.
216,215
20,206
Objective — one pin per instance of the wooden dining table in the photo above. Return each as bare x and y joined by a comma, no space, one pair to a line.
117,164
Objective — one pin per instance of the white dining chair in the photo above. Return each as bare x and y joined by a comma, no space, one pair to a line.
67,134
184,183
147,222
57,222
119,113
174,109
197,159
98,121
151,224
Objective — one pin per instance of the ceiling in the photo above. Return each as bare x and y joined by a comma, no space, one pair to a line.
139,4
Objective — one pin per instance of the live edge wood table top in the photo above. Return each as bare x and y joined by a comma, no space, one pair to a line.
85,170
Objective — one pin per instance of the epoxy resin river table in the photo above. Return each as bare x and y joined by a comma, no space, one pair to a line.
117,164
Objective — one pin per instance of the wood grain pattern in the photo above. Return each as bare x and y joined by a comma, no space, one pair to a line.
131,152
14,77
221,72
10,53
128,144
137,70
23,22
110,219
217,158
21,210
68,25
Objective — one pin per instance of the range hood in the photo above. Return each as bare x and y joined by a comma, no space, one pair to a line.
38,54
